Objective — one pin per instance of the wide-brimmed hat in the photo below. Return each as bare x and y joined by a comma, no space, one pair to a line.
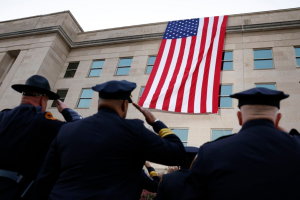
36,83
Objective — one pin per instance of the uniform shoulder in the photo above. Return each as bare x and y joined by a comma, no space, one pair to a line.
5,110
220,139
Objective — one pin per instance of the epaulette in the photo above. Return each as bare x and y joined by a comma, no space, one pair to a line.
5,110
49,115
294,132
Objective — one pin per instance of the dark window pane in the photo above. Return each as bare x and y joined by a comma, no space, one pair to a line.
181,133
225,102
263,64
226,90
142,90
73,65
265,53
98,64
297,52
55,101
95,72
298,62
149,69
227,55
87,93
84,103
125,62
69,74
123,71
227,66
62,93
151,60
215,134
269,86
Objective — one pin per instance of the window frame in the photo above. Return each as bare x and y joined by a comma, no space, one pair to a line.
178,137
140,95
267,83
83,98
227,61
149,65
60,98
123,67
220,129
88,75
225,96
67,70
254,59
296,56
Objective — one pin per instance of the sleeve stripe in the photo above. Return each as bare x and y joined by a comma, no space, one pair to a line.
164,132
153,173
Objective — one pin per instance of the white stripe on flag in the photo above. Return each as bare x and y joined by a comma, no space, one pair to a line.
158,74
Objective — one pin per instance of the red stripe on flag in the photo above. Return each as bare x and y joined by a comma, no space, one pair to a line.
153,72
164,75
169,92
206,69
215,98
185,76
191,105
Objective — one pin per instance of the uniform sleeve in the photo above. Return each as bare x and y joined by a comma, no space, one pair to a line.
164,148
48,174
160,191
195,186
153,174
70,115
148,183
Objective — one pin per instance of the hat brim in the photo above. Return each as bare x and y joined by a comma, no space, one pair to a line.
23,88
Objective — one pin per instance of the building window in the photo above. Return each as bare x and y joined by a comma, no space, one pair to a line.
297,52
85,98
62,94
270,86
71,70
263,59
151,61
124,66
96,68
227,60
216,133
141,92
182,134
224,100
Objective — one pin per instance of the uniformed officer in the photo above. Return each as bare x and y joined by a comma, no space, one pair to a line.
101,157
172,185
260,162
26,133
149,182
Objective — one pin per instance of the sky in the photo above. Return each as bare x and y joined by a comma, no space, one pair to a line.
100,14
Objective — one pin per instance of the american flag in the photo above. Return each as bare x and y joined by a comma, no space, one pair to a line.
186,74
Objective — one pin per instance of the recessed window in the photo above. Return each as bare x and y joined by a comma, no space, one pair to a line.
151,61
270,86
71,70
85,98
96,68
263,59
182,134
216,133
141,92
124,66
227,60
297,52
62,94
224,100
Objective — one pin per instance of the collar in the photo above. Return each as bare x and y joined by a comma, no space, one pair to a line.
257,122
38,109
107,110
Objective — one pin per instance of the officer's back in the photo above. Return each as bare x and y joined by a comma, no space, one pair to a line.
101,157
260,162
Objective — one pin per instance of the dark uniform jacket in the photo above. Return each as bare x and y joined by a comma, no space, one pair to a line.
172,185
25,137
101,157
149,183
260,162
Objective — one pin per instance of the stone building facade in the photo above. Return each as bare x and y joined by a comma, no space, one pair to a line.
55,46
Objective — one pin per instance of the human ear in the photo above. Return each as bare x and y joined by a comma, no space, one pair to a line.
239,115
278,118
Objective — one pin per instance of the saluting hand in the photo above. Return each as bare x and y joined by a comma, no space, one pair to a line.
148,115
61,105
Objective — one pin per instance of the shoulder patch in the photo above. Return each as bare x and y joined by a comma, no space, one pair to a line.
149,128
49,115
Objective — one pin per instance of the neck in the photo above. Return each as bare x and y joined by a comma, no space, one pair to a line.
29,101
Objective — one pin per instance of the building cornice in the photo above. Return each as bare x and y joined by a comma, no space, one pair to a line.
143,37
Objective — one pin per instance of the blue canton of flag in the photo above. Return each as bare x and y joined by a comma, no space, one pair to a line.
182,28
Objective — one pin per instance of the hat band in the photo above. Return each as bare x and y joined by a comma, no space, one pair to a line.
267,102
119,95
33,95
